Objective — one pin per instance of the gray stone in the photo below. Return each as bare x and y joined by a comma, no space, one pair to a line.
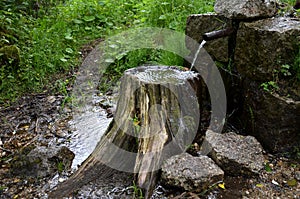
246,9
191,173
265,45
272,119
43,161
199,24
297,175
235,154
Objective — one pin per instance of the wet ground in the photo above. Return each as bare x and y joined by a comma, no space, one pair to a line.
40,120
43,120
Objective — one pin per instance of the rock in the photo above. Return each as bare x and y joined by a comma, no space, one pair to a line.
61,133
235,154
191,173
246,9
199,24
272,119
264,46
43,161
51,99
297,175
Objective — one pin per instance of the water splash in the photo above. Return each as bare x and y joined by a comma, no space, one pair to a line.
197,53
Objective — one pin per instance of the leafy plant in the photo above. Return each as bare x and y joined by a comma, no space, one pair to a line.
285,70
269,86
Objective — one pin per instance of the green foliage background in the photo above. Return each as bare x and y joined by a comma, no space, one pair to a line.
48,35
45,37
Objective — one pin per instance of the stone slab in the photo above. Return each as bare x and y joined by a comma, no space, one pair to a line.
265,45
193,174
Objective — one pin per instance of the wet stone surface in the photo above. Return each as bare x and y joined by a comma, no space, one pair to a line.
246,9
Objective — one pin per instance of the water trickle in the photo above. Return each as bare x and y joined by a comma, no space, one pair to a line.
88,130
197,53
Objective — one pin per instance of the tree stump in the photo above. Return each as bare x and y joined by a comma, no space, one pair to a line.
157,116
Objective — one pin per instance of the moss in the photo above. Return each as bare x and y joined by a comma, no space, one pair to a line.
10,56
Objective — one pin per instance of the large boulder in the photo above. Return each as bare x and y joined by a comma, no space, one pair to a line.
235,154
271,118
264,46
246,9
197,25
190,173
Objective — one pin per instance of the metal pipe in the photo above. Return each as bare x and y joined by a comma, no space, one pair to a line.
218,34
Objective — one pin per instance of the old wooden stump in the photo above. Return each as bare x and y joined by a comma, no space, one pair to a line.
157,116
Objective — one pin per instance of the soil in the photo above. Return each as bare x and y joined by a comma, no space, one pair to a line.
42,120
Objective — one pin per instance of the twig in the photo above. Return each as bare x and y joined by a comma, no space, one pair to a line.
30,142
4,149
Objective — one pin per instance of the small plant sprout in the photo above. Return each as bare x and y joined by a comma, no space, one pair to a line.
138,192
60,167
269,86
285,70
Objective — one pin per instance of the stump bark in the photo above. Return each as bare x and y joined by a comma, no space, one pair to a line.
157,116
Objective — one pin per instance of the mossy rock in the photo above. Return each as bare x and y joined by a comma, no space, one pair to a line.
10,56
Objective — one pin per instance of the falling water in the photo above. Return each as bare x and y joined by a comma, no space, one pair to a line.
197,53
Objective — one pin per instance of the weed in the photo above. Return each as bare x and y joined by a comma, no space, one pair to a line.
2,188
60,167
285,70
252,118
138,192
220,184
137,127
269,86
268,168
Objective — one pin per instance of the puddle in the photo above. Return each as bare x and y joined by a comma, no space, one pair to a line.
162,74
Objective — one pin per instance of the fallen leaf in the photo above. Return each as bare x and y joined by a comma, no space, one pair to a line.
259,185
222,185
16,180
292,182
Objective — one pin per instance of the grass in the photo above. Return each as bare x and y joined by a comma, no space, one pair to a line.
49,37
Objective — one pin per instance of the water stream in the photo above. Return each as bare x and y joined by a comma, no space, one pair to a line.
197,53
89,128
